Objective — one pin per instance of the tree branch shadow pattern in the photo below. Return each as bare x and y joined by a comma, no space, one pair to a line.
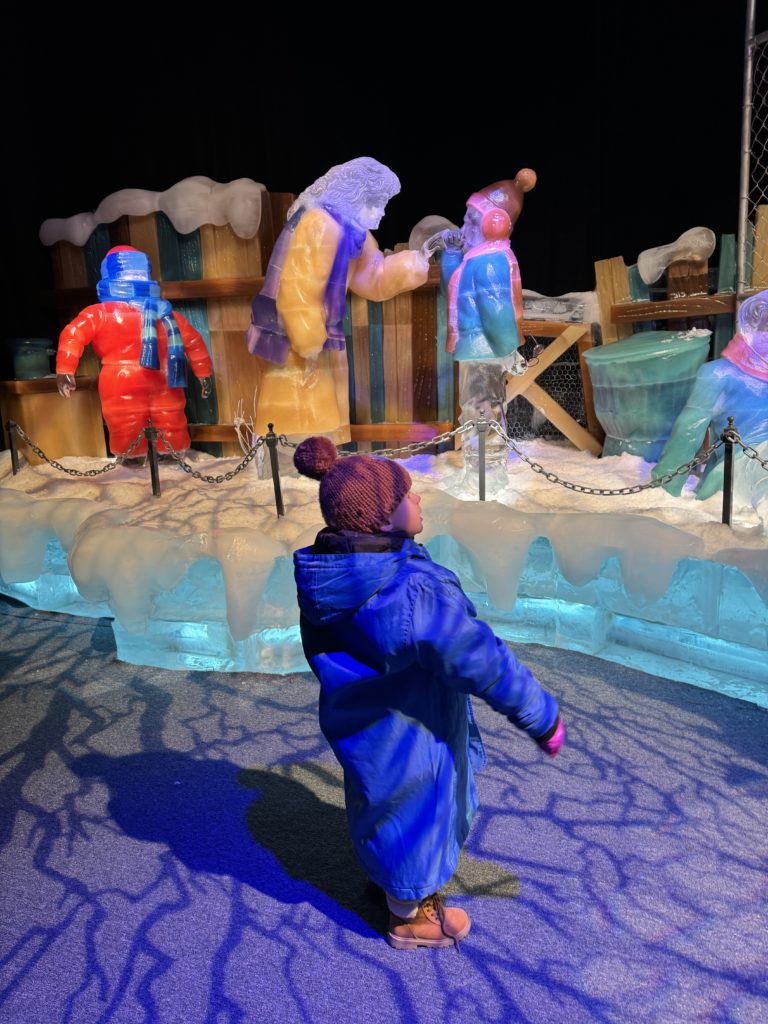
173,846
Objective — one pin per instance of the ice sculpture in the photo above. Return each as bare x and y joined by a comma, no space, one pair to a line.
572,307
297,319
188,205
695,245
204,579
143,347
428,228
734,385
640,384
480,279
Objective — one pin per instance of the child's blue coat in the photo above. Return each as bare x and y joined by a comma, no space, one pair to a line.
397,646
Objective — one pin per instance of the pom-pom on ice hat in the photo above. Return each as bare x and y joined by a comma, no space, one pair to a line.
356,493
502,202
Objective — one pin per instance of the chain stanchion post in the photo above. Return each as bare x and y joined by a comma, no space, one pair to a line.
482,427
13,442
151,435
271,440
730,436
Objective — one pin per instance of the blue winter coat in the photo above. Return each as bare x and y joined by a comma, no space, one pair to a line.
397,646
487,323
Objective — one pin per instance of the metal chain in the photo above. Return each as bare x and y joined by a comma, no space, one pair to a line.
231,474
752,453
417,445
686,468
119,460
413,447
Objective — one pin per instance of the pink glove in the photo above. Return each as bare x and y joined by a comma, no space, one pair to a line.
554,740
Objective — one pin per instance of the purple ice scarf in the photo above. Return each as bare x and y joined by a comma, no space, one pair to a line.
145,296
350,247
266,336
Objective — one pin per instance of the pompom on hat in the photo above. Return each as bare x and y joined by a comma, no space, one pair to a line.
356,493
504,198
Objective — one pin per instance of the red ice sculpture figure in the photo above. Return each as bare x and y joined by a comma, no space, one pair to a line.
143,347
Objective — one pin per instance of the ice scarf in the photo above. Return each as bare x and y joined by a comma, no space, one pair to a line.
145,296
266,336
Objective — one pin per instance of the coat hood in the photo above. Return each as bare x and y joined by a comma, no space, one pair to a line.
334,578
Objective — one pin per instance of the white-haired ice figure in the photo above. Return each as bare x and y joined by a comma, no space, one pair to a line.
735,385
297,320
358,190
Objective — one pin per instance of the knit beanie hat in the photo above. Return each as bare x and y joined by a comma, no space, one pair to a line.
505,195
356,493
124,263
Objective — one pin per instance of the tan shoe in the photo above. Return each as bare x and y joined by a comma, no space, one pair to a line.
434,925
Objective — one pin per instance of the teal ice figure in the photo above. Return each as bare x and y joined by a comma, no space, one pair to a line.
735,385
640,384
480,281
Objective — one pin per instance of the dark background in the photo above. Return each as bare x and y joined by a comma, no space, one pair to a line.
630,117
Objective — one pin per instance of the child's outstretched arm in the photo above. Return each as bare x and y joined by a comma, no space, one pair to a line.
464,653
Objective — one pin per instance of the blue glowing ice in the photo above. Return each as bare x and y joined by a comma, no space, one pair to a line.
735,385
215,595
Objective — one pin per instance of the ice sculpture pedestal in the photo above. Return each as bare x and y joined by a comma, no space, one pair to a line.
709,628
202,577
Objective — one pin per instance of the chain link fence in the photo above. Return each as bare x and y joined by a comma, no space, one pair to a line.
753,210
561,381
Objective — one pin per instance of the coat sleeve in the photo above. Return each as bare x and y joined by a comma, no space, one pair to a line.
76,335
460,651
494,281
378,277
307,267
689,429
450,260
195,347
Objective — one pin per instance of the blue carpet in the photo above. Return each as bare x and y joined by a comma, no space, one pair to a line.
173,848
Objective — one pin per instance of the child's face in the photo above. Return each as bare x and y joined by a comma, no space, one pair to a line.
407,516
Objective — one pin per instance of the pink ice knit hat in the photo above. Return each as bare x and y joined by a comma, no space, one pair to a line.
356,493
505,195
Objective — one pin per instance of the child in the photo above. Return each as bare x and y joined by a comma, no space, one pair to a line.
397,647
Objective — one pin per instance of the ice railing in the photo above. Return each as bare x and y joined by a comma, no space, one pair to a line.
730,438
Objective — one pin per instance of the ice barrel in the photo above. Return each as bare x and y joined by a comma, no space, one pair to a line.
640,384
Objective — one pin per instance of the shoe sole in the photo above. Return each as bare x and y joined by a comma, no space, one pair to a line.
406,942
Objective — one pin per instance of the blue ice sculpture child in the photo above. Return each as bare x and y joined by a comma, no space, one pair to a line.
480,279
734,385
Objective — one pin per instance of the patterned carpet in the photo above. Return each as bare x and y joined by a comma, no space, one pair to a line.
173,849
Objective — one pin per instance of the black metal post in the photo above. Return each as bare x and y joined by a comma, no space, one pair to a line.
271,439
730,435
482,427
151,435
13,445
